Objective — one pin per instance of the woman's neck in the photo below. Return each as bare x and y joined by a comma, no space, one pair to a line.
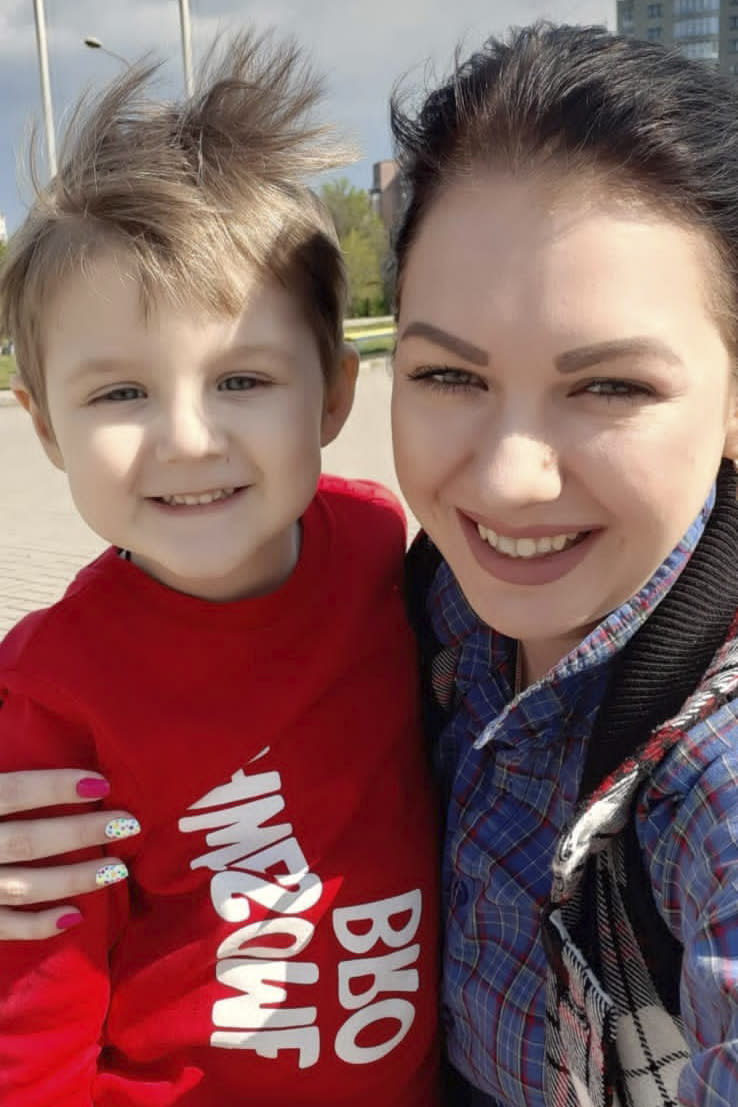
536,656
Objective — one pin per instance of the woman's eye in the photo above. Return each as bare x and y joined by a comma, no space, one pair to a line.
616,389
238,384
120,395
446,380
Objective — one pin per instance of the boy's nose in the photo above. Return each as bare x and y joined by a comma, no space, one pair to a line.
188,430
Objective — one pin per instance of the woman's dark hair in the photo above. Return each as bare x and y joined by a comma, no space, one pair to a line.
654,123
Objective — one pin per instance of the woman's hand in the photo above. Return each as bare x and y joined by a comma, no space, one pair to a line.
23,840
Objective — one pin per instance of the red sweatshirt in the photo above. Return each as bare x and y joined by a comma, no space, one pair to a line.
276,942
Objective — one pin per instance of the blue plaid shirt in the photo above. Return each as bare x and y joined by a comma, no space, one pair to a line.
511,769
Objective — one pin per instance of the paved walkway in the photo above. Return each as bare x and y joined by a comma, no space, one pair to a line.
42,540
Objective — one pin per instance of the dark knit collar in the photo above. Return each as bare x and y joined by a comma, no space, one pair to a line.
666,659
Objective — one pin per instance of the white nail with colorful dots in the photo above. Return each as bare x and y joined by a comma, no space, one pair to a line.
110,874
122,828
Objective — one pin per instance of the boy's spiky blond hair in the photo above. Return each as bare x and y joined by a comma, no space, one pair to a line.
195,193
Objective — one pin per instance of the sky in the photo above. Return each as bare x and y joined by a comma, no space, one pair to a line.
361,46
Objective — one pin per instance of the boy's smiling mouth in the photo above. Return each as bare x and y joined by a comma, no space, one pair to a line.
197,499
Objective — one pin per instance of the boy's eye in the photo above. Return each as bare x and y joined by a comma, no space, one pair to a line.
120,394
238,383
445,379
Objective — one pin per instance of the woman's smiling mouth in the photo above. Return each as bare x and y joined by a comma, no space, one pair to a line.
530,547
527,559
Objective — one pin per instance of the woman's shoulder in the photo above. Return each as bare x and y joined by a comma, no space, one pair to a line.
708,746
687,814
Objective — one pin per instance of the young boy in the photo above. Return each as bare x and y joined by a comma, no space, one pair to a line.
237,663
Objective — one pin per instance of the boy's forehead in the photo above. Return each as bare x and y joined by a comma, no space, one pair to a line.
114,279
106,312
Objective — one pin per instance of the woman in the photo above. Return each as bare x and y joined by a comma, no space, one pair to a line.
565,421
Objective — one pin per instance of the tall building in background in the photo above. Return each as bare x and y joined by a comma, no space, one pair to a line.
704,29
386,191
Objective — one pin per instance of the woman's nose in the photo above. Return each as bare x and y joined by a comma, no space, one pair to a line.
519,468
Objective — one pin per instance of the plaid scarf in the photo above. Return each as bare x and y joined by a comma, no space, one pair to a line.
612,1038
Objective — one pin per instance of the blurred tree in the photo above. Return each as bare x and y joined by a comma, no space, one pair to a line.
365,245
363,265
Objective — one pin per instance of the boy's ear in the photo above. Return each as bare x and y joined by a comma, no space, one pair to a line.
40,422
730,446
340,397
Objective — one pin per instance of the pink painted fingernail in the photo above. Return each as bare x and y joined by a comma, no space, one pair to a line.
92,787
64,922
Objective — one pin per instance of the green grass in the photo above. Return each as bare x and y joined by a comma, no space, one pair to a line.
7,368
369,346
381,325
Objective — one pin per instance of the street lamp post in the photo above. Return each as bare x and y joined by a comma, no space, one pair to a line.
43,65
95,44
186,34
184,24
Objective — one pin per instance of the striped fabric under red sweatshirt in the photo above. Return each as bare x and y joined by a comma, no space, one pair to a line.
276,943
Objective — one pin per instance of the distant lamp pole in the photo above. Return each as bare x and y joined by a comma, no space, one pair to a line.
184,23
186,32
43,65
95,44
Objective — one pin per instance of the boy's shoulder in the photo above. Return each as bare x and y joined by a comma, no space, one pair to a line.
364,508
361,495
362,545
37,638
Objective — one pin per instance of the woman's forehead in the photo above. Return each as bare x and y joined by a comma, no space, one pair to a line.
503,264
488,228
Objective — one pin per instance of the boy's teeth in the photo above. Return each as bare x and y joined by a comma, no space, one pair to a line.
526,547
190,499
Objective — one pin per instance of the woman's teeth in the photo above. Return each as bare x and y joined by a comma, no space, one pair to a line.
190,499
527,547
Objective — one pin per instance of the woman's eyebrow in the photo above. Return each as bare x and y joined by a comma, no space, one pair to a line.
571,361
585,356
452,342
